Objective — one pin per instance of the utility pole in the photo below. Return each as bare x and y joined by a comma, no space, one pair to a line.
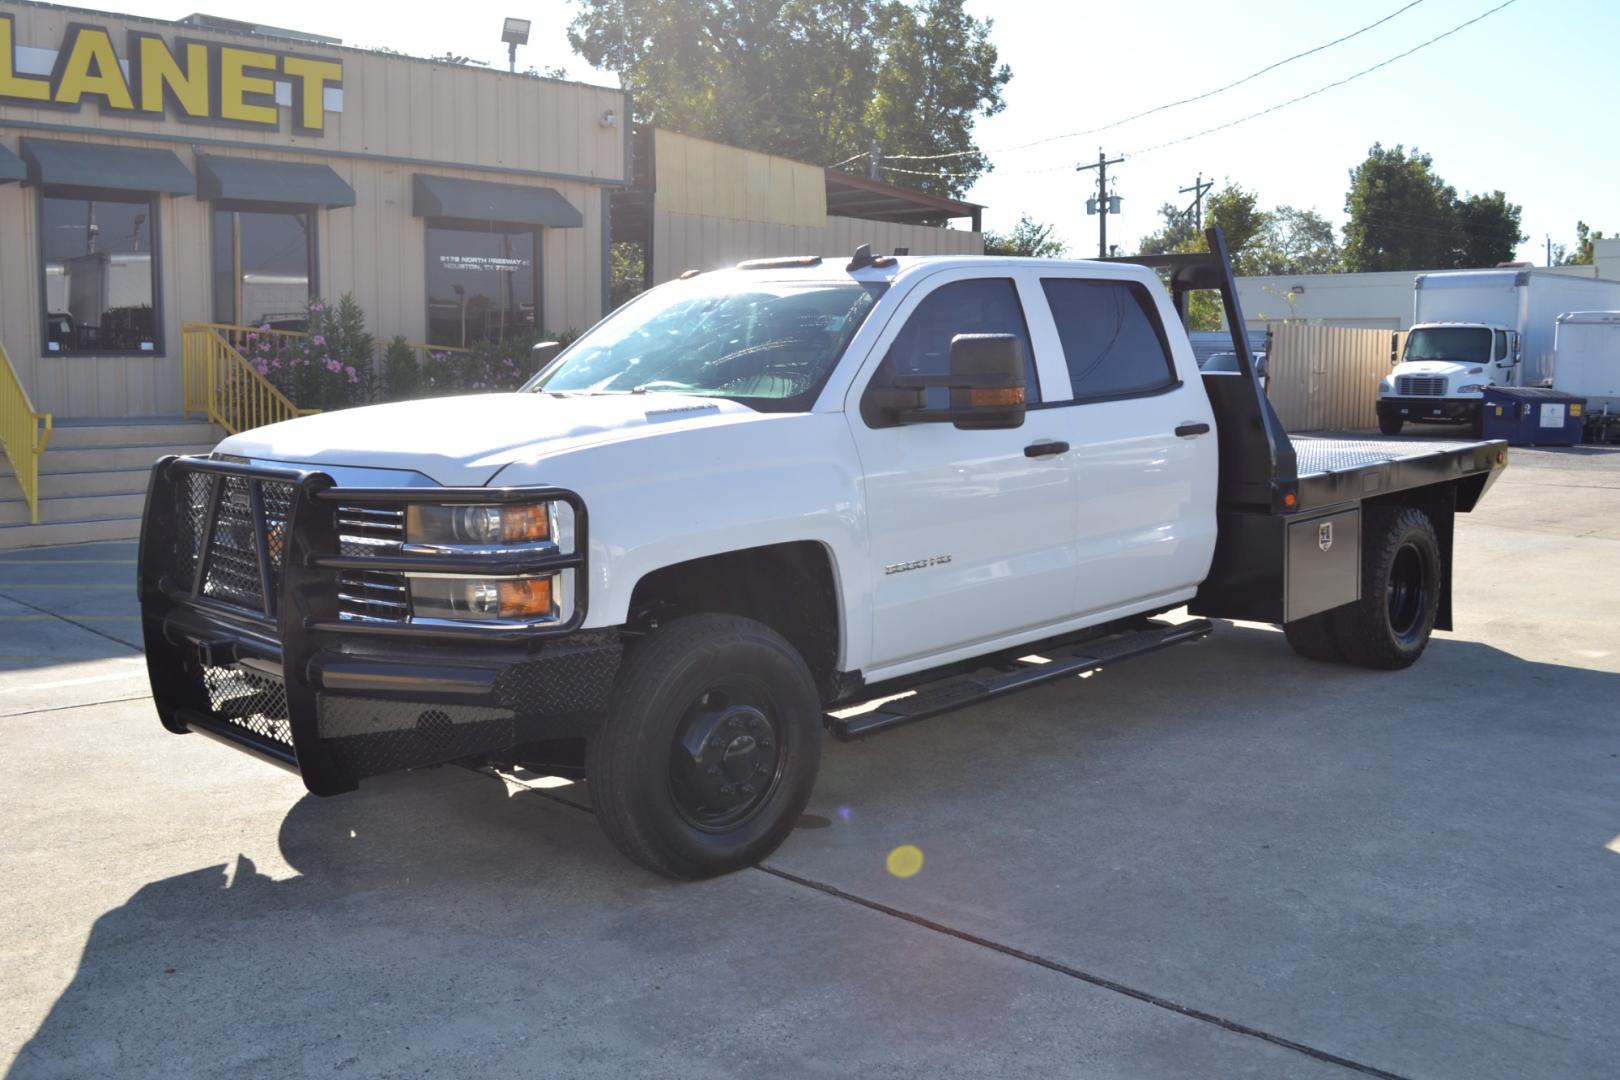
1102,204
874,170
1549,249
1197,191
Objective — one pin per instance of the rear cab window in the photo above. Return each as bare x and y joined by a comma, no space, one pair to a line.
1113,342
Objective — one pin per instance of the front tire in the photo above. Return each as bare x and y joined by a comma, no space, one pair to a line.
1389,627
710,747
1390,425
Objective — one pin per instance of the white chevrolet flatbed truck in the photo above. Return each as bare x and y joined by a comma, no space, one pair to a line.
750,501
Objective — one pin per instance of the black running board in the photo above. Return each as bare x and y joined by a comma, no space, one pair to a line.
1065,662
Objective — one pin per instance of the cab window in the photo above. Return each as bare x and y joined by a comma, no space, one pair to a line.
979,306
1113,342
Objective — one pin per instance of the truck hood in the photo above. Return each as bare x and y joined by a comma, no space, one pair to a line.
465,441
1435,367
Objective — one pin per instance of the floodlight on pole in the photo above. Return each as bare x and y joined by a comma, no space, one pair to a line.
514,33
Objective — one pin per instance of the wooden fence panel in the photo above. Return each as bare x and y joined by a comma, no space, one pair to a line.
1325,378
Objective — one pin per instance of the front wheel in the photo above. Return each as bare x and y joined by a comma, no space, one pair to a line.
1389,626
1390,424
710,747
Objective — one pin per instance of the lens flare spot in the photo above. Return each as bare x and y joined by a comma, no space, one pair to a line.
905,860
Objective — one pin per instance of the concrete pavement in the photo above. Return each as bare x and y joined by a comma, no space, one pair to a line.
1219,860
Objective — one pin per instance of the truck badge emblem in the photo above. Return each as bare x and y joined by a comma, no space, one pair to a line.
1324,536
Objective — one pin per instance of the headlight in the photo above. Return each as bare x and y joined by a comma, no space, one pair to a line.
485,525
476,531
1472,388
1387,385
482,599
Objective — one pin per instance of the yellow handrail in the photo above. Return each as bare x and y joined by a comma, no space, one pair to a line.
220,383
23,432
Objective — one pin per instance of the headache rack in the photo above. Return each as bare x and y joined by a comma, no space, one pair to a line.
246,572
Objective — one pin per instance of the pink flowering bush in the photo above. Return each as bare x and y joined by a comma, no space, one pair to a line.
327,368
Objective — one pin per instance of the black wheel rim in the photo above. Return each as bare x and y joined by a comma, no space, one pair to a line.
1408,585
728,756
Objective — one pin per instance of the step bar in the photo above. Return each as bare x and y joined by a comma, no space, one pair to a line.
1059,663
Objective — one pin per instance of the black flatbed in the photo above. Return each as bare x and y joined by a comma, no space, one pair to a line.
1334,470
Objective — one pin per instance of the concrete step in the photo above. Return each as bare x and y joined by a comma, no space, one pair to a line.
13,537
57,485
73,508
106,458
78,435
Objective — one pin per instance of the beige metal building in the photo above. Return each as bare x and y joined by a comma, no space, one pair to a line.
700,205
164,173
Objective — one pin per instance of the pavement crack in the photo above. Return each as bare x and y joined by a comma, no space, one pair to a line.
1155,1000
72,622
1234,1026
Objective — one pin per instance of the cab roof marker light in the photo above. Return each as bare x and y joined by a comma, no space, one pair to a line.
780,263
687,275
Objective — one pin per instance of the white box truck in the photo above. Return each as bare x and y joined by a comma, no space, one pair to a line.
1586,363
1475,328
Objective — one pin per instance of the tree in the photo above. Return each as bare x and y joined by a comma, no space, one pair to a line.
1179,231
814,80
1583,255
1403,216
1296,241
1490,230
1028,237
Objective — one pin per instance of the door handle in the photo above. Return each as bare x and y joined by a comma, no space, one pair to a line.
1046,449
1192,429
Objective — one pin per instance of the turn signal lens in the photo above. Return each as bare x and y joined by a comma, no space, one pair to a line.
527,599
504,523
996,398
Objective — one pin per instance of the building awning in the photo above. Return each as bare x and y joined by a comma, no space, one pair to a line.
484,201
261,181
856,196
98,165
11,167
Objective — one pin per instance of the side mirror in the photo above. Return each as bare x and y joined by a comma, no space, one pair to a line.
543,353
986,384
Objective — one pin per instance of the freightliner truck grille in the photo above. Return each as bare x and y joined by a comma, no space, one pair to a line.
1420,386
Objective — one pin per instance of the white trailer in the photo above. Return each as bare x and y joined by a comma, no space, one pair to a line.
1475,328
1586,363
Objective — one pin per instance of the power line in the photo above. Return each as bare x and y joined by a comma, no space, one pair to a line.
1329,86
1173,104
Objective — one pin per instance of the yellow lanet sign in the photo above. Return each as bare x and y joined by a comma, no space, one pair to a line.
195,80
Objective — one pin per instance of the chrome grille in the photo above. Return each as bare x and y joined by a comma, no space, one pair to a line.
371,595
1420,386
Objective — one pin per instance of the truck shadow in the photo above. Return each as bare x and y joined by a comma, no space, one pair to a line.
444,913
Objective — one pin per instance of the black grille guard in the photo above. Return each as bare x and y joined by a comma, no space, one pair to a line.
297,616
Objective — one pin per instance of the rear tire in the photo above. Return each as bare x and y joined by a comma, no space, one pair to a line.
1312,637
710,747
1390,425
1389,627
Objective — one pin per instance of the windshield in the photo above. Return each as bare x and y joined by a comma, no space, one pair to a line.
1463,344
767,344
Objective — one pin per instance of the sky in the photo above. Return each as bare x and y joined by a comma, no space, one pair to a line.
1523,100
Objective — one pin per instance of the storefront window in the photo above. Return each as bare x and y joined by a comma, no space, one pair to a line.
481,284
100,275
263,267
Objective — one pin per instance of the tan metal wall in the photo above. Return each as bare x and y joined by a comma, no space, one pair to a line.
710,179
1325,378
684,242
401,116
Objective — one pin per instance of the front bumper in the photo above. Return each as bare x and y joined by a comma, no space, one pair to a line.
273,664
1419,409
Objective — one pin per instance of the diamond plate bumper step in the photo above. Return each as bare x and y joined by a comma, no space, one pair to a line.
1064,662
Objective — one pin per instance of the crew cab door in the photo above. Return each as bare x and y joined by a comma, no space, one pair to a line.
1130,401
971,530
